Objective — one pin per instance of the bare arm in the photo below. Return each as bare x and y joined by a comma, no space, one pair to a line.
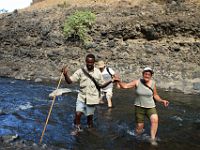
158,98
65,73
129,85
114,79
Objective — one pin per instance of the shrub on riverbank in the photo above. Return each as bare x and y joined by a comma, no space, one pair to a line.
78,24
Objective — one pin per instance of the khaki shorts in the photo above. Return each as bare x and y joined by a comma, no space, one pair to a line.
86,109
141,112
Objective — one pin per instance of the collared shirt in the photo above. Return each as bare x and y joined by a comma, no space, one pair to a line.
88,91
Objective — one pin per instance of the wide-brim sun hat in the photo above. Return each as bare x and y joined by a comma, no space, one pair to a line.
101,64
147,69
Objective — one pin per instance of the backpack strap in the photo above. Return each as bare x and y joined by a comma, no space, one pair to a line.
93,80
109,72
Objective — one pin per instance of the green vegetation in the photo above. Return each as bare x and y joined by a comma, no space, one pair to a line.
79,24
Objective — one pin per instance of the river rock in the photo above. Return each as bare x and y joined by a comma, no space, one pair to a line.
196,86
9,138
38,80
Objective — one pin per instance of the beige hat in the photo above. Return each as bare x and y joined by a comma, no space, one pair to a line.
146,69
101,64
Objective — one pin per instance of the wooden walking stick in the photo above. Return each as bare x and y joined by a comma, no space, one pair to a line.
54,98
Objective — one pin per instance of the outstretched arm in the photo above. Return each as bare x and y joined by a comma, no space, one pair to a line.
124,85
157,97
129,85
114,79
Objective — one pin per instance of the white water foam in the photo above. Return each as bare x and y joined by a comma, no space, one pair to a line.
142,137
177,118
24,106
61,91
131,132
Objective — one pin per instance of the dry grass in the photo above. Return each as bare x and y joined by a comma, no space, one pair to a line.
50,3
193,1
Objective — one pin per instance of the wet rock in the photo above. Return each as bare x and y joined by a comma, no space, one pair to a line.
5,70
44,146
38,80
9,138
177,118
196,86
2,112
35,145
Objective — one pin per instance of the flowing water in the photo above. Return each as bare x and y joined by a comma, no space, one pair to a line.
24,107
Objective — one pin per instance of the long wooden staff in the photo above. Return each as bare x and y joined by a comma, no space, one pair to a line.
54,97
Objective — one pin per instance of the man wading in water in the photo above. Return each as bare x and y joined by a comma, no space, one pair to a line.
91,81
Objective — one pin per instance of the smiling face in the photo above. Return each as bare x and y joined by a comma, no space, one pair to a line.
90,63
147,76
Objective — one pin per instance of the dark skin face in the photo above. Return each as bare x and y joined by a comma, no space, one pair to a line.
101,69
90,63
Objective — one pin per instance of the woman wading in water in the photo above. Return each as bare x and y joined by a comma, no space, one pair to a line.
144,102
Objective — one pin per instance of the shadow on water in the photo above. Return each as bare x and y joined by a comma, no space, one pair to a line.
24,107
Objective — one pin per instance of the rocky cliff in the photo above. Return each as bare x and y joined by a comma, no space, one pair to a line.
164,35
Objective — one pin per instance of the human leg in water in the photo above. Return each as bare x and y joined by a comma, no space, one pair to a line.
139,128
90,121
109,98
154,128
109,103
102,98
77,123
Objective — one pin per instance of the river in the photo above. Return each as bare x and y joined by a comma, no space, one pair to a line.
24,106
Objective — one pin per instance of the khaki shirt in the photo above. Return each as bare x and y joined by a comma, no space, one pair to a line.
88,91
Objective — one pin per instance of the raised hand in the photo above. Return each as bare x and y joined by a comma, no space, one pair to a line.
64,70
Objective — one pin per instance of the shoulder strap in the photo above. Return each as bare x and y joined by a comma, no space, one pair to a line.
91,78
142,81
109,72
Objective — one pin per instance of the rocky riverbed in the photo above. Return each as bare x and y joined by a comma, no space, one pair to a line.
164,35
10,142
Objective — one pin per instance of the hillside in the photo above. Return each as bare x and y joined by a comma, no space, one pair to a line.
128,34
